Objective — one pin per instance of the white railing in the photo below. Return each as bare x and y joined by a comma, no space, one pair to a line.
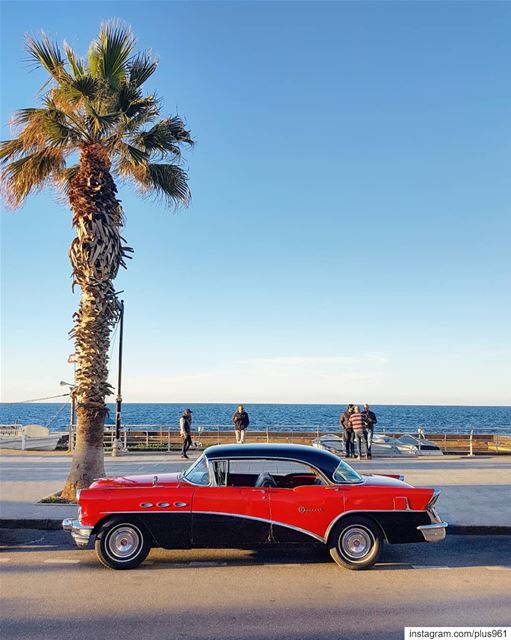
162,437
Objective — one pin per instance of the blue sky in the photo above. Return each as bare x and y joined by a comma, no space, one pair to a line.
348,238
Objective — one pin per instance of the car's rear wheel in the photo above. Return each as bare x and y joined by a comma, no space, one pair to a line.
122,545
355,543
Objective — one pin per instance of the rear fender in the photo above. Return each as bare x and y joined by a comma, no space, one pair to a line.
397,527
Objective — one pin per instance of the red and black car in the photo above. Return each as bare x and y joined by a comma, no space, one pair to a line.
246,496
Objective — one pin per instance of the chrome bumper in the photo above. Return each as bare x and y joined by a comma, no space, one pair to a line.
80,532
433,532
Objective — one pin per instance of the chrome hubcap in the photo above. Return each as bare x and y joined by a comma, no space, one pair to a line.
356,542
123,542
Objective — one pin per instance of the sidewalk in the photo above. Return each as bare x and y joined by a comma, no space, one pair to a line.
475,494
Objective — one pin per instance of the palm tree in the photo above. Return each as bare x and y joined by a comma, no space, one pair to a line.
94,124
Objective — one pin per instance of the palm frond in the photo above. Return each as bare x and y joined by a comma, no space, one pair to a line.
124,97
166,180
59,134
66,177
86,86
165,137
10,149
28,124
45,127
109,54
22,117
133,155
141,69
47,54
101,123
21,177
77,65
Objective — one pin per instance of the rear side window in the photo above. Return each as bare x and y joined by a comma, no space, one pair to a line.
283,474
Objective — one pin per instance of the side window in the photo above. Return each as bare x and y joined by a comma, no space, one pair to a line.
270,473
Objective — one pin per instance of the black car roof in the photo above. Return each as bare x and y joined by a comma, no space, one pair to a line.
323,460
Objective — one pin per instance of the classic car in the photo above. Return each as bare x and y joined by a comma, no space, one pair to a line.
246,496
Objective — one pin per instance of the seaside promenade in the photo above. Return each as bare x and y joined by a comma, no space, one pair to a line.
475,498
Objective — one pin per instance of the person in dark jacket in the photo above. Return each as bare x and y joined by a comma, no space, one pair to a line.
344,422
241,422
370,418
185,429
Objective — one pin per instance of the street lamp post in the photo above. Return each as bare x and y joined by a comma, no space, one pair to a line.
72,417
116,445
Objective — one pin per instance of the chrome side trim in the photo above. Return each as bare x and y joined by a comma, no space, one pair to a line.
433,532
79,532
268,520
153,513
221,513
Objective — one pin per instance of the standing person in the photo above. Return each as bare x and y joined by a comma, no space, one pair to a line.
344,421
185,429
358,424
241,422
370,418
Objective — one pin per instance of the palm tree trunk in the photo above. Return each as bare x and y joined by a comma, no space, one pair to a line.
96,254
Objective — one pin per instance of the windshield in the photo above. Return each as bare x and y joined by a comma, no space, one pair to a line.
345,473
198,473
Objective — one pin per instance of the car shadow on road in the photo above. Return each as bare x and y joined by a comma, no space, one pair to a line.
454,552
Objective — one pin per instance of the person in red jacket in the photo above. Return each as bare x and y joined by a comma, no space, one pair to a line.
359,426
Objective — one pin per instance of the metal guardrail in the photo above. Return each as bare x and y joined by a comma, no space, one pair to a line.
163,438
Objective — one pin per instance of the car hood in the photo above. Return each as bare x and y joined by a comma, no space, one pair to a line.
146,480
383,481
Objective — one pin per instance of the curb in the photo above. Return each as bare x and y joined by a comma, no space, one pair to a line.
478,530
52,524
43,524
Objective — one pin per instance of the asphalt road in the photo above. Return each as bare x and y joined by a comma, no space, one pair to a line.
51,589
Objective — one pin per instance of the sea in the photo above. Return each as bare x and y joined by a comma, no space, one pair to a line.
276,417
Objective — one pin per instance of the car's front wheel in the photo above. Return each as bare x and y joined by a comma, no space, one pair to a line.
122,545
355,543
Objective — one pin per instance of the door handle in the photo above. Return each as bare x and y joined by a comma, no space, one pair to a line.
180,504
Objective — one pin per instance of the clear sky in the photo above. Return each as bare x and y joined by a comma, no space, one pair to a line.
349,234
